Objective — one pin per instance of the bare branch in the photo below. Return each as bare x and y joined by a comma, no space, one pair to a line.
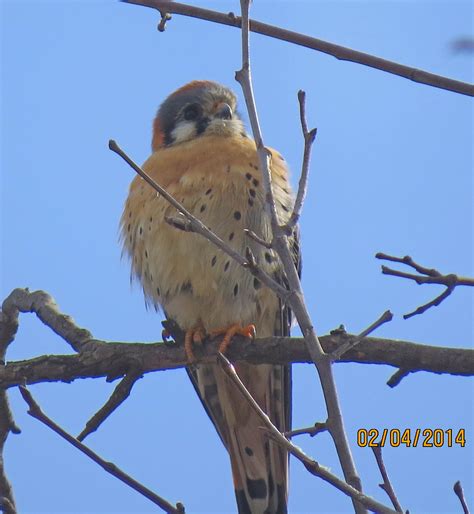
311,465
386,485
460,494
295,298
258,239
339,52
309,137
398,376
36,412
426,276
41,303
115,359
339,352
165,17
120,394
317,428
112,359
8,328
243,77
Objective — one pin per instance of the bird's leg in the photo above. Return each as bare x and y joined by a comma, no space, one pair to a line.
193,336
230,332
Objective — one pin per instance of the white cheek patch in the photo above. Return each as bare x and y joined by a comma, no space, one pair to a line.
183,131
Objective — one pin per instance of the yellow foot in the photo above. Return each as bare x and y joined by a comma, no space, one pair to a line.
230,332
193,336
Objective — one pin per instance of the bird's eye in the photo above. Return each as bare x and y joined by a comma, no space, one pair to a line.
192,112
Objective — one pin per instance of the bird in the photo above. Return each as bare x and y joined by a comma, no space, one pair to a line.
203,156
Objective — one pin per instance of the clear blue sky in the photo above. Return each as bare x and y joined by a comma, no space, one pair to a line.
392,172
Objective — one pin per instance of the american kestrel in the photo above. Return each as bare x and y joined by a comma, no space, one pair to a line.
202,155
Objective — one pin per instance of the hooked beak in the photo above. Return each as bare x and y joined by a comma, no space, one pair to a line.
223,112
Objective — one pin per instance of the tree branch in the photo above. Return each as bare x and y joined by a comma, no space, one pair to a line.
120,394
310,464
426,276
339,52
116,359
8,329
458,490
113,359
295,299
309,136
316,429
36,412
339,352
386,485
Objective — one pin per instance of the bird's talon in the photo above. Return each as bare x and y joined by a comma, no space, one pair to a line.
199,335
250,331
230,332
188,345
193,336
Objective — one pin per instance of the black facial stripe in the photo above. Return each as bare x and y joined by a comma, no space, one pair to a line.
202,125
168,138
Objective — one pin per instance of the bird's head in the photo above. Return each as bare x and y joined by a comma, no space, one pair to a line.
197,109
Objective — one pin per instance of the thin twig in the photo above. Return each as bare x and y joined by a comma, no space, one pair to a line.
193,224
120,394
309,136
258,239
460,494
338,51
36,412
349,345
165,17
386,485
310,464
317,428
243,77
426,276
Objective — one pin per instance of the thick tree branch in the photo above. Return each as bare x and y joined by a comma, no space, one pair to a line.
340,52
36,412
113,359
8,328
116,359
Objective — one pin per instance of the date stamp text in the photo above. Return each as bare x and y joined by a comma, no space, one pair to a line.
411,437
